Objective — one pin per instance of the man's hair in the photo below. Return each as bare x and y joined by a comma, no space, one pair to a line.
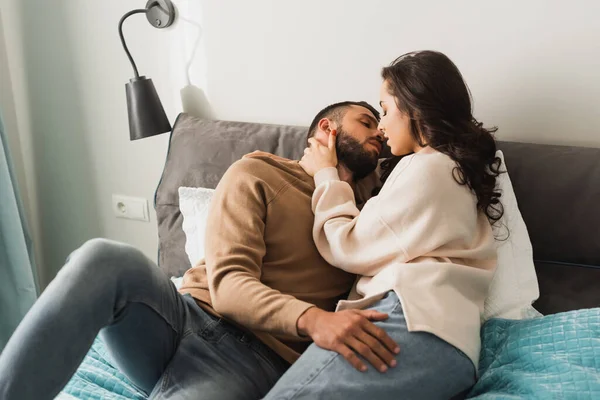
336,113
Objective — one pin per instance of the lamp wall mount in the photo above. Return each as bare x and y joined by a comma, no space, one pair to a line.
160,13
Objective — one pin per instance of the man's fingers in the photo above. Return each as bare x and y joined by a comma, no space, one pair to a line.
377,347
367,353
351,357
332,136
381,335
374,315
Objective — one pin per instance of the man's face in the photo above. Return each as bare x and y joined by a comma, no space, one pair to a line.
359,141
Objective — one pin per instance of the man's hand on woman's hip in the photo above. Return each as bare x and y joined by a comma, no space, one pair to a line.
350,332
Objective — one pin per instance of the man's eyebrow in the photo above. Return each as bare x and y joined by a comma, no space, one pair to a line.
369,116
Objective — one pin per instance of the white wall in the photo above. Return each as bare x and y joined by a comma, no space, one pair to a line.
533,68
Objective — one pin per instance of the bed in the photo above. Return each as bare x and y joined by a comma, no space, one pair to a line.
558,191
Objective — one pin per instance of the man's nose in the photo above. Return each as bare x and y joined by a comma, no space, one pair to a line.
379,135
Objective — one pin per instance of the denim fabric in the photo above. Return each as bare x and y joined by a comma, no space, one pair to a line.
163,341
428,368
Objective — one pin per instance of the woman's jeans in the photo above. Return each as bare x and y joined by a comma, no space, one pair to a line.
428,368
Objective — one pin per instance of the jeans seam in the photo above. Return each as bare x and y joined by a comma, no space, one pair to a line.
252,343
211,326
165,379
257,351
459,352
312,377
398,305
152,307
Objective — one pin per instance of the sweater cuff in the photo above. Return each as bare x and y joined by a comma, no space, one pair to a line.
292,314
326,175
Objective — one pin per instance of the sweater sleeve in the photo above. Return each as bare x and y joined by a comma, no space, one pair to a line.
235,248
420,210
345,236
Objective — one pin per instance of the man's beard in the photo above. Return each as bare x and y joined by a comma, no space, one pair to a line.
352,154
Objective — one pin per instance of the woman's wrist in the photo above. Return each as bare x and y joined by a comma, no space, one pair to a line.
326,174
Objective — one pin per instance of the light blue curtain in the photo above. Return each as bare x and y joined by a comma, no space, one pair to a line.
18,281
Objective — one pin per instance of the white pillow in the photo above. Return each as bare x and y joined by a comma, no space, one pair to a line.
193,204
514,286
177,281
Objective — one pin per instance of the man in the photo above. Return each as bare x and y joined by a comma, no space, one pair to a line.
240,319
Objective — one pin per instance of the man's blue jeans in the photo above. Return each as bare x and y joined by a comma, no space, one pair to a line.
162,340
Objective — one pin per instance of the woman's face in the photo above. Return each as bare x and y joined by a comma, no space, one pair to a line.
395,124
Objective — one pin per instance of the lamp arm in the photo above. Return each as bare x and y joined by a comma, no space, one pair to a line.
130,13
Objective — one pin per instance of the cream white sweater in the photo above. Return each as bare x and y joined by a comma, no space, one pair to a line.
422,237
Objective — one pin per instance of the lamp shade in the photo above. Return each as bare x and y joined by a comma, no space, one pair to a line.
146,114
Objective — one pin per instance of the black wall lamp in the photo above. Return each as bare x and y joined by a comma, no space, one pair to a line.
146,114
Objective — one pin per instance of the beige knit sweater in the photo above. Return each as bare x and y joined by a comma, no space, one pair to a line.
422,237
262,269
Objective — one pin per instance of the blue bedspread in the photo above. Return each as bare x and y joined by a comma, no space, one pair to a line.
554,357
97,379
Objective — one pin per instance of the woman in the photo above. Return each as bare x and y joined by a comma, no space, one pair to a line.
424,245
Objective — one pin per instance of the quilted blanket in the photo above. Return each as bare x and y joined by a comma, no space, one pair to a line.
97,379
553,357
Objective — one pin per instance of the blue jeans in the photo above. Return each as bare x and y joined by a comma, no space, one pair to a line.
161,340
428,368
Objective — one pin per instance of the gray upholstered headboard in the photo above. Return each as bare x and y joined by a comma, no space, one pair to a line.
200,151
558,189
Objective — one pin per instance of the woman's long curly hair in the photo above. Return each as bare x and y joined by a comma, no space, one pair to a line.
430,89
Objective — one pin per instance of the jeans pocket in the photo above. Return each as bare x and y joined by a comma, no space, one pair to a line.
213,332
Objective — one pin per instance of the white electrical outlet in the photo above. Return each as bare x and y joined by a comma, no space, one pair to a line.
130,207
